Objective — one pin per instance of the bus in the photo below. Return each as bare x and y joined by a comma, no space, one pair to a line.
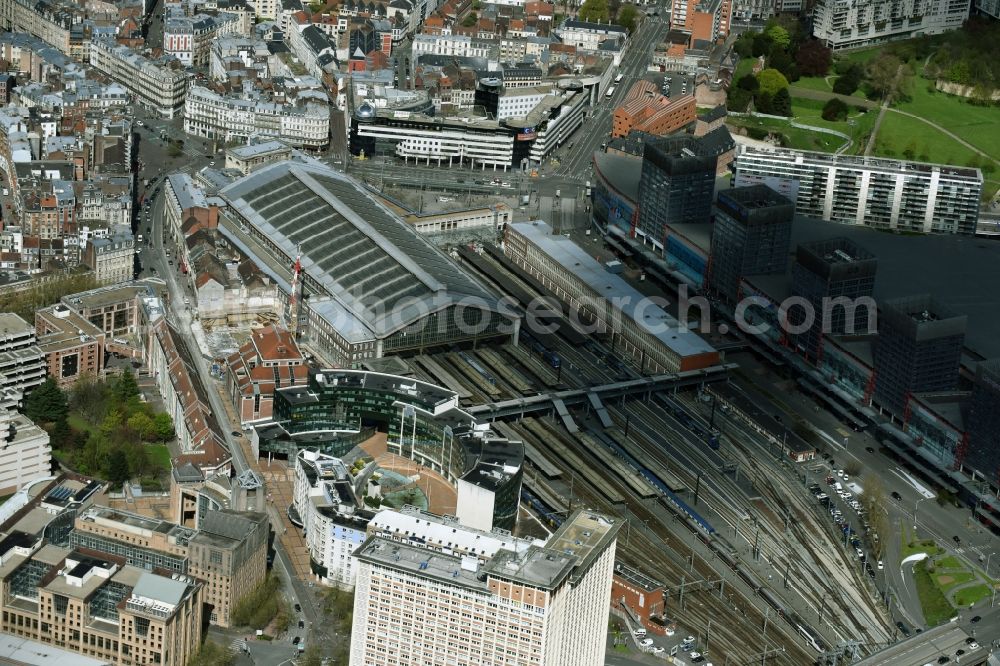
618,79
611,91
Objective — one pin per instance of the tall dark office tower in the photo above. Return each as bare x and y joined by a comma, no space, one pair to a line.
751,236
676,185
983,421
918,350
827,270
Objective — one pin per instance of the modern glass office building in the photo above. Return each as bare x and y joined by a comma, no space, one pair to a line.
338,409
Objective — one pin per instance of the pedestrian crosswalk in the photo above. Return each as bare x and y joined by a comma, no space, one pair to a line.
238,645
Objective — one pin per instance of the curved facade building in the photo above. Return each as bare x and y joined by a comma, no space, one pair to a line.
338,409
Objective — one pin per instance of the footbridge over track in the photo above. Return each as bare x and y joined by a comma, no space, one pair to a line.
558,400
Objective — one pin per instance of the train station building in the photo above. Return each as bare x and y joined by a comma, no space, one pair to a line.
369,285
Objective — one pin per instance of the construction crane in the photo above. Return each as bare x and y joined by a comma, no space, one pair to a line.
292,315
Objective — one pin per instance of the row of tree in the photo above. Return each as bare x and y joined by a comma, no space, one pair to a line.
786,47
46,291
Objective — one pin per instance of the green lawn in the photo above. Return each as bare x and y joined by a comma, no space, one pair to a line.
949,562
929,145
861,56
946,581
160,455
814,83
857,125
971,595
932,601
976,124
908,547
744,67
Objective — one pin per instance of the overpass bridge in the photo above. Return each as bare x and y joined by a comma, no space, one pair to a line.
557,401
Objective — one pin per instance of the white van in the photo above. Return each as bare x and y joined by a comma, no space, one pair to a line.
640,633
839,488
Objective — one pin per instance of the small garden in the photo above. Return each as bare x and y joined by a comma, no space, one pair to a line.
264,608
943,582
103,428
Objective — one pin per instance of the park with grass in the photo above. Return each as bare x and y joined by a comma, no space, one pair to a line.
944,583
102,427
843,92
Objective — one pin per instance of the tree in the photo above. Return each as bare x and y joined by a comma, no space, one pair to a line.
883,73
748,82
470,19
174,150
781,104
118,472
849,79
25,303
164,427
46,403
627,17
761,44
783,62
834,110
142,425
738,99
62,435
744,45
311,657
213,654
112,422
595,11
778,35
138,460
89,398
813,58
771,81
125,387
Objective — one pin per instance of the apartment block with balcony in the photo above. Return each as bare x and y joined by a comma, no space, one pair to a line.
844,24
886,194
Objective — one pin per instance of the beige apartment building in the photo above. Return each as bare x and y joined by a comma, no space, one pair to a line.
525,604
98,606
228,553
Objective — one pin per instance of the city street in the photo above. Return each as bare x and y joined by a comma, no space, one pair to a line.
182,317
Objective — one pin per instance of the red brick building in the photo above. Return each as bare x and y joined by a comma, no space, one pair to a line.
269,360
646,110
640,597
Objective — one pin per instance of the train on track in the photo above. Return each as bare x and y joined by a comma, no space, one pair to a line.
550,515
549,356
